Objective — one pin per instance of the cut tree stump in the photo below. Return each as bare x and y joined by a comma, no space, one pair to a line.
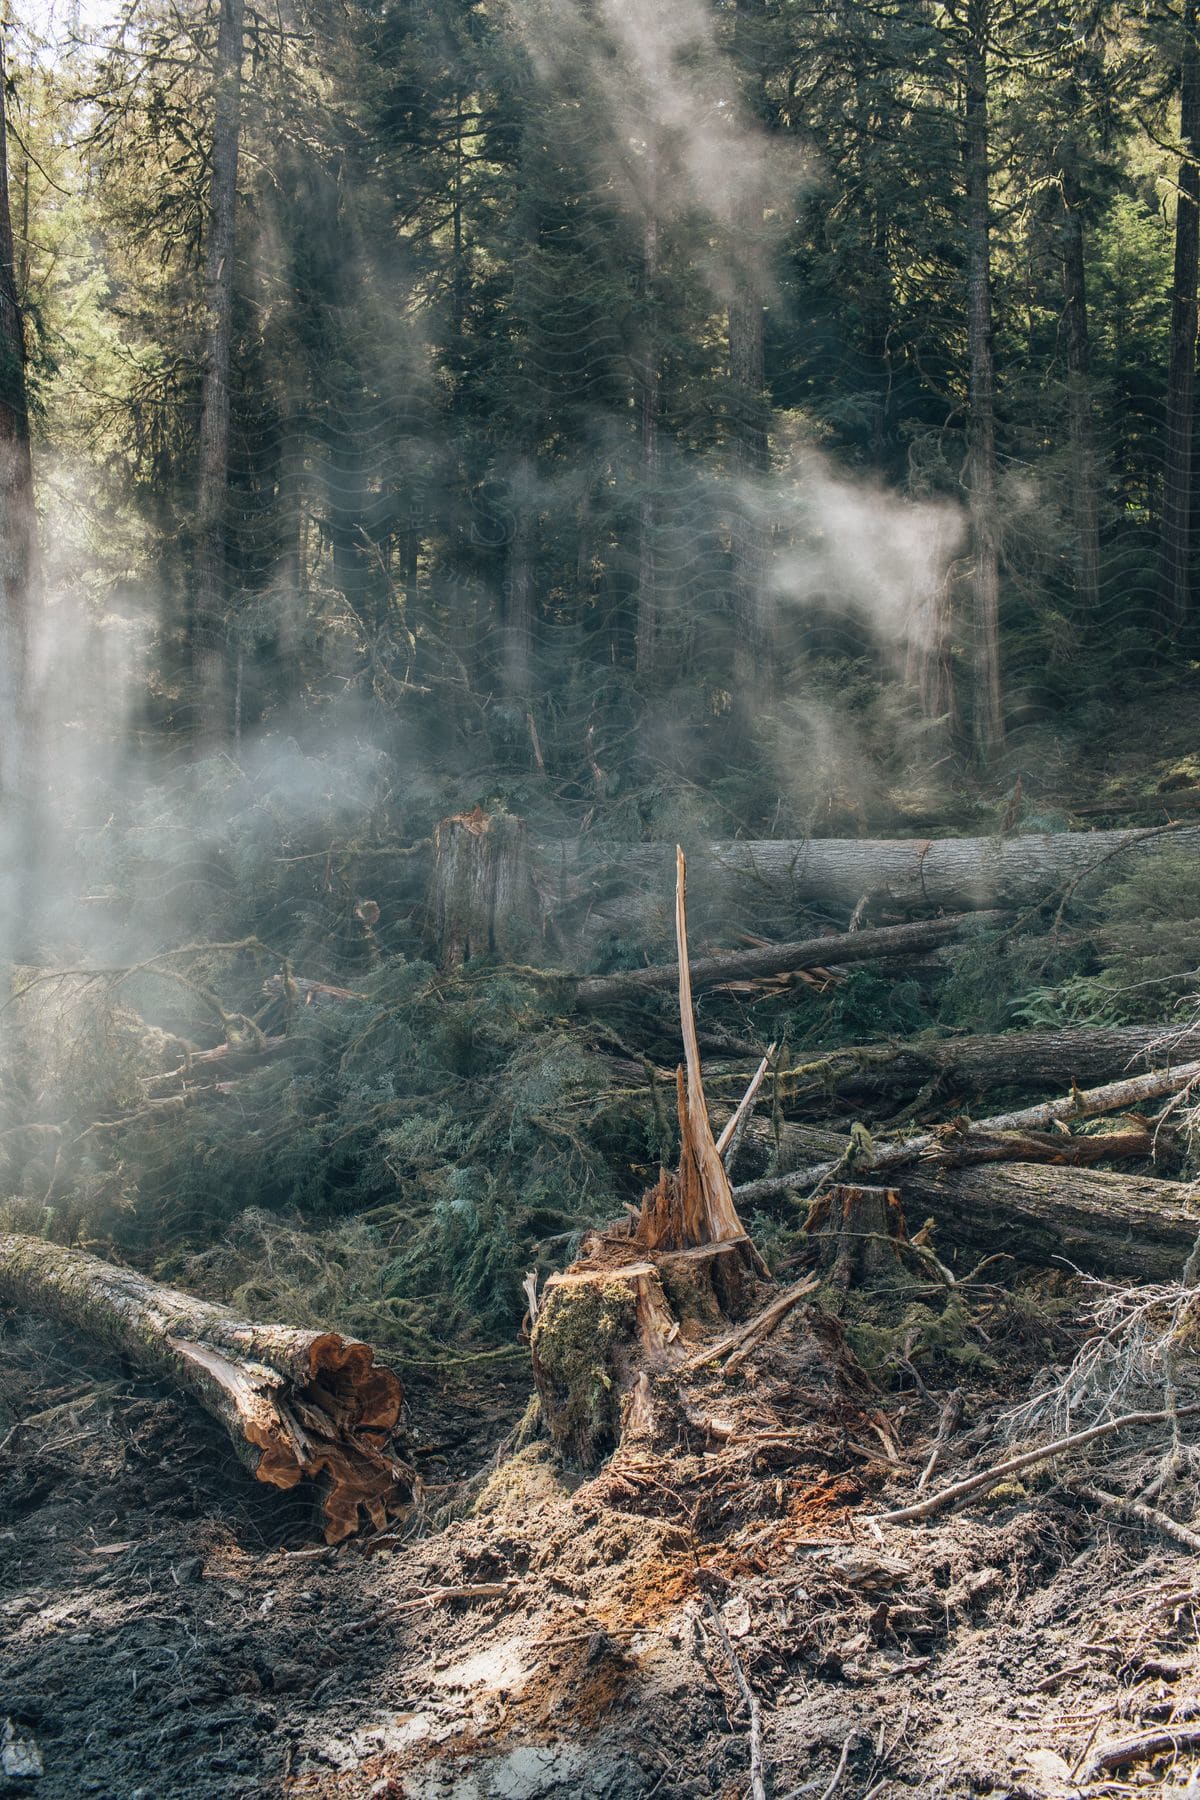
482,900
297,1405
861,1238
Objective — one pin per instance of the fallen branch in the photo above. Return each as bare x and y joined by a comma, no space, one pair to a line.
472,1590
988,1478
297,1405
596,991
1115,1096
748,1337
1138,1511
1138,1749
758,1786
951,1414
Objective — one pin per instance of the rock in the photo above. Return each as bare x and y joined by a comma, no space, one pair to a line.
20,1758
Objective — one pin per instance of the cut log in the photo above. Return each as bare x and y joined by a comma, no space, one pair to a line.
1127,1227
482,901
594,992
898,875
297,1405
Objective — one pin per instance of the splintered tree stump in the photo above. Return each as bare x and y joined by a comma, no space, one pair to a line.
632,1306
297,1405
482,900
861,1238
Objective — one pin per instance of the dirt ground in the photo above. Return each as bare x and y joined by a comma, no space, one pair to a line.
171,1631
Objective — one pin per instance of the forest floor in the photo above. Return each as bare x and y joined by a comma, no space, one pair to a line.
170,1632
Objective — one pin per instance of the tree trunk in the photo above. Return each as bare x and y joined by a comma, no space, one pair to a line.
598,991
1126,1227
209,632
519,604
1084,461
988,721
18,519
753,610
297,1405
744,877
1174,581
649,597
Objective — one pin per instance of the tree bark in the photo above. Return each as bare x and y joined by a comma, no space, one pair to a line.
1174,581
598,991
209,626
18,518
987,714
1127,1227
297,1405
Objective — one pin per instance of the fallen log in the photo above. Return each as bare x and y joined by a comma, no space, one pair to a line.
979,1064
1115,1096
595,991
297,1405
897,874
1127,1227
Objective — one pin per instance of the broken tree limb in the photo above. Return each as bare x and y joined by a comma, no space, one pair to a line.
974,1485
1115,1096
1139,1513
595,991
297,1405
693,1205
756,1330
1127,1227
758,1786
730,1139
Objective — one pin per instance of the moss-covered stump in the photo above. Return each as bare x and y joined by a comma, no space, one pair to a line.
598,1331
861,1238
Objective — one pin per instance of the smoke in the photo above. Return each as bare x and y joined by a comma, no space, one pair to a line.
655,101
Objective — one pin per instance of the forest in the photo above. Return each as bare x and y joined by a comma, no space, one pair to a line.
599,899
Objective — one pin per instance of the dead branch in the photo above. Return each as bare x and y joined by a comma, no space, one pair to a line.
596,991
758,1786
747,1337
1140,1513
1114,1096
1139,1749
988,1478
